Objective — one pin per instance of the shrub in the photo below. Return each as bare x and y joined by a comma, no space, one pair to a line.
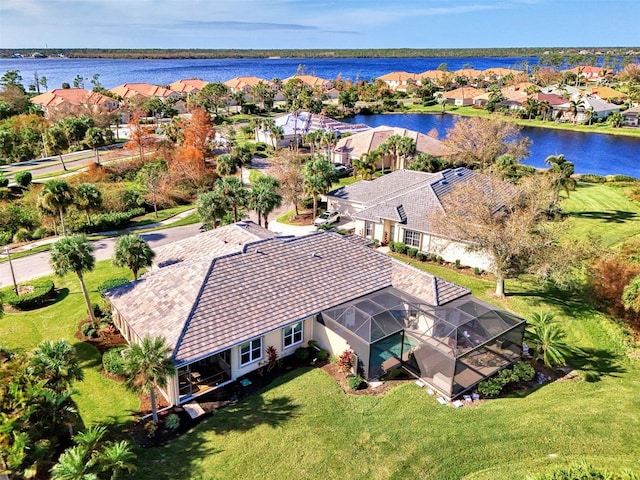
457,264
412,252
524,371
113,360
439,259
42,291
4,182
39,233
322,355
376,242
111,283
109,221
302,354
621,178
392,246
401,248
312,343
583,471
421,256
345,361
520,371
477,271
172,422
89,331
491,387
150,427
355,383
23,179
592,178
609,278
22,235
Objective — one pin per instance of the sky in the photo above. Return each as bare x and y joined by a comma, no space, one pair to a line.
322,24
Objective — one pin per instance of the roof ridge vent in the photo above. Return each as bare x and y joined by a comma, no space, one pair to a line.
316,255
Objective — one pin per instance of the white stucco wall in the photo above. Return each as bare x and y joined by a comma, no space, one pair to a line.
329,340
451,251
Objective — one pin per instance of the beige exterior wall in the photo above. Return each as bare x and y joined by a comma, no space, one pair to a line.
378,230
329,340
451,251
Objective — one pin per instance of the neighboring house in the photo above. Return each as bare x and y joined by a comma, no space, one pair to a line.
401,207
589,72
312,81
462,96
133,91
600,108
355,146
607,94
434,76
245,84
220,314
498,72
470,74
565,91
297,124
631,117
68,99
512,99
400,81
188,86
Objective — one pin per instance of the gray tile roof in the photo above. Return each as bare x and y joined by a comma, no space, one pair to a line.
419,201
213,243
204,307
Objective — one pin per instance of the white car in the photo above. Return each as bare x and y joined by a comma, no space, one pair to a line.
327,218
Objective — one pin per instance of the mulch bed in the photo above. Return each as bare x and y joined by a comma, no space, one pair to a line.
104,341
341,379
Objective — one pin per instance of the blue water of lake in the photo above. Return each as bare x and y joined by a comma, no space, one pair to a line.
590,152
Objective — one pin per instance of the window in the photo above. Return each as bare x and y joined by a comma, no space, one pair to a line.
251,351
412,239
368,229
292,334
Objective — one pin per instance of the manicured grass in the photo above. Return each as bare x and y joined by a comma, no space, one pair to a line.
254,175
150,218
602,210
99,399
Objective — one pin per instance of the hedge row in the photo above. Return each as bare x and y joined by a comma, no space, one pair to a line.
109,221
43,291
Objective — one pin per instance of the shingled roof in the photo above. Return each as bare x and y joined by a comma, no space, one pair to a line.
270,284
210,244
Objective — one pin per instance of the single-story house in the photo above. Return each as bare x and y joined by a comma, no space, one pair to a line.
129,91
607,94
631,117
220,314
68,99
497,73
461,96
600,108
312,81
589,72
400,207
355,146
297,124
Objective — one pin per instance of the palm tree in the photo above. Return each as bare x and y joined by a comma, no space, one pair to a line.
55,361
211,206
547,339
225,165
234,191
574,108
590,113
134,252
57,196
90,439
264,198
366,165
147,364
73,465
74,254
116,457
563,169
88,198
276,133
242,155
318,177
239,98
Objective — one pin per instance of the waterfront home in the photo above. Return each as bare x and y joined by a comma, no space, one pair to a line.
312,81
461,96
359,144
223,314
496,73
607,94
297,124
512,99
631,117
400,81
71,100
589,72
188,86
590,107
402,206
143,91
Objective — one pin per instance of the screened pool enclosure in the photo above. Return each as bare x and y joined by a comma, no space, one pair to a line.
452,347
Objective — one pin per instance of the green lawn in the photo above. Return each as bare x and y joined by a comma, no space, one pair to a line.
602,210
150,218
98,398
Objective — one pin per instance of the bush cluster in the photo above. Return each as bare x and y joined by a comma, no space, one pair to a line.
109,221
355,382
89,330
113,361
43,291
520,371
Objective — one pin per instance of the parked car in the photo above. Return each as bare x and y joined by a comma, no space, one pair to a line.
327,218
342,170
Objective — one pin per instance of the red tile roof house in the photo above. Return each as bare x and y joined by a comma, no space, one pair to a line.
135,92
70,98
220,312
188,86
400,81
461,96
400,207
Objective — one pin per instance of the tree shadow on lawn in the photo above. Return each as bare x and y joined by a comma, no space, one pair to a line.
595,363
608,216
572,304
88,355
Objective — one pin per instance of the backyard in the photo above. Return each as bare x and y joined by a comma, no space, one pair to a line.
304,426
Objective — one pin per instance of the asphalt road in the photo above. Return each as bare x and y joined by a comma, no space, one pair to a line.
37,265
